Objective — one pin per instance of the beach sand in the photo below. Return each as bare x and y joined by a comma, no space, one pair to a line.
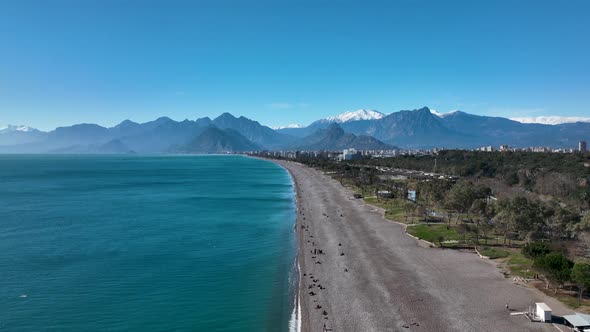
373,277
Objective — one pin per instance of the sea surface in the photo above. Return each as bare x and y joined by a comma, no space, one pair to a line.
145,243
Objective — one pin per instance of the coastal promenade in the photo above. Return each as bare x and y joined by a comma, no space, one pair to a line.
360,272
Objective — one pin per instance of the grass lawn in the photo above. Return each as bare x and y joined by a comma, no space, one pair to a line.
494,253
431,233
519,265
573,302
394,209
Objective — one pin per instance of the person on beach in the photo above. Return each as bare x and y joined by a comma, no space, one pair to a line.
507,308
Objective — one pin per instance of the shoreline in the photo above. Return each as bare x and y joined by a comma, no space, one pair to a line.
371,276
295,322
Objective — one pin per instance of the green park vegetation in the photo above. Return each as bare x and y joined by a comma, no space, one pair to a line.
437,234
519,265
563,176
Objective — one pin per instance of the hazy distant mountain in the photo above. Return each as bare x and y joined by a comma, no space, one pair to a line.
112,147
85,133
422,129
252,130
361,129
417,128
216,140
334,138
485,130
160,135
13,128
12,135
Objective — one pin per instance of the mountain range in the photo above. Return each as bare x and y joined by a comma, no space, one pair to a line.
362,129
423,128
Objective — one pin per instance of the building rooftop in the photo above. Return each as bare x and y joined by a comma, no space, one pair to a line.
578,320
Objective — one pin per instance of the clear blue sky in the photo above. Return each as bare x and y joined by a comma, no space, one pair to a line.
280,62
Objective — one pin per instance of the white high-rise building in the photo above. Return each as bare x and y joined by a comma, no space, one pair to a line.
349,154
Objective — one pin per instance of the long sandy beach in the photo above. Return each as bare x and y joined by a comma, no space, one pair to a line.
360,272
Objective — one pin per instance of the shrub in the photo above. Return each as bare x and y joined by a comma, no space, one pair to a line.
535,250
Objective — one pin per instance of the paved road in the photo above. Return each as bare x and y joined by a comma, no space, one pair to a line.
392,283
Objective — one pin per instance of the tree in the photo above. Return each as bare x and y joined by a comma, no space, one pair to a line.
535,250
483,212
556,267
581,277
421,211
462,195
408,209
582,226
432,192
561,221
521,216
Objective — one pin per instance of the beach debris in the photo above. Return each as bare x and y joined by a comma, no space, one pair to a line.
341,254
305,274
340,244
311,293
316,280
345,270
318,262
325,313
318,306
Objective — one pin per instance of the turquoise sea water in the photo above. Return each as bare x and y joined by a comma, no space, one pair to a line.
145,243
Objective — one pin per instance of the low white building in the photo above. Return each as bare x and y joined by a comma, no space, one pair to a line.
543,312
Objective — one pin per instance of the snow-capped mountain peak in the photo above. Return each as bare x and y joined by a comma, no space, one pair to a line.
289,126
12,128
552,119
442,115
355,116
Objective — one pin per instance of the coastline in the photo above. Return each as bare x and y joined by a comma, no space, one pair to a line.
295,323
374,277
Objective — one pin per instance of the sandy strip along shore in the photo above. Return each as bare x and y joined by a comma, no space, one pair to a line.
371,276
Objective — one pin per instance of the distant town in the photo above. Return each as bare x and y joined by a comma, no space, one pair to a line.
352,154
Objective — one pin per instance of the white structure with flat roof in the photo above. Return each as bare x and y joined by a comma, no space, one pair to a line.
543,312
